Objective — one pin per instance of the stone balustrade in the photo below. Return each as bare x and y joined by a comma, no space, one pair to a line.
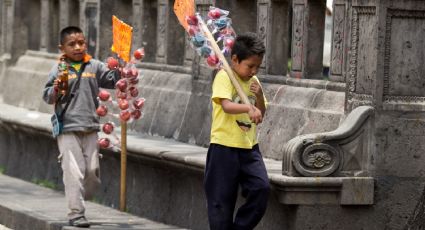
157,29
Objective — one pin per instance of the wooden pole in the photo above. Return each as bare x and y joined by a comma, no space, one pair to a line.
123,166
223,60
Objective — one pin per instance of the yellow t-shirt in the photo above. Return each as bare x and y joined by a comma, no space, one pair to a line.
232,130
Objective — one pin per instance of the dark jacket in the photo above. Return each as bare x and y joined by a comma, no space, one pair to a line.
81,112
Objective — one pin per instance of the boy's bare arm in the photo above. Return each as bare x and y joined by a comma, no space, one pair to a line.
234,108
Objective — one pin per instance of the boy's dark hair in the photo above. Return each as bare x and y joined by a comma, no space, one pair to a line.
246,45
67,31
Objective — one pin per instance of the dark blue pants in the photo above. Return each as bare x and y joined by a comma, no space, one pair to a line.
226,169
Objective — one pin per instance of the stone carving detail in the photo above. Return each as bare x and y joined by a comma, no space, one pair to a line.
401,73
263,26
262,21
338,40
354,43
355,100
342,152
297,39
318,160
45,23
4,22
360,76
162,24
137,25
91,23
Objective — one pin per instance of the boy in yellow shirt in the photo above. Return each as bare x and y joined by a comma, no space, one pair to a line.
234,157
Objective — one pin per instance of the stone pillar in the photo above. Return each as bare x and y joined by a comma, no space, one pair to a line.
339,50
49,38
145,27
272,26
307,38
161,48
89,23
82,9
189,52
170,35
45,25
138,15
64,13
70,12
7,16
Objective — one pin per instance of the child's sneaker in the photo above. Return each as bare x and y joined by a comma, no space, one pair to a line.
79,222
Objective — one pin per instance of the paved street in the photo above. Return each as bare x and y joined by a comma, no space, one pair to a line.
30,207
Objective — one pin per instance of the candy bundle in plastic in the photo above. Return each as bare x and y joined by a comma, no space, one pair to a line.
220,25
126,98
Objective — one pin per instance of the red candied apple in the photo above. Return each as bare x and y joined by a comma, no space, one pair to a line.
134,92
139,53
121,95
133,80
138,103
103,143
112,63
108,128
229,42
121,85
102,110
214,14
192,20
104,95
136,114
134,73
125,115
123,104
212,60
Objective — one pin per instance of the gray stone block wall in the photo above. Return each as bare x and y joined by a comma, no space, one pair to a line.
179,107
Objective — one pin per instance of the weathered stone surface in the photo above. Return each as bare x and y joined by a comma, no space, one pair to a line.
23,84
296,111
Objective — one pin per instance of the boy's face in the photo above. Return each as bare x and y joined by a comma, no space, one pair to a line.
74,47
247,67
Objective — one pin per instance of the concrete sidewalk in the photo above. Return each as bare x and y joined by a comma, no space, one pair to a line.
26,206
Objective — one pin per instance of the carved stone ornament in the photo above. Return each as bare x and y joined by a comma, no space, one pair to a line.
318,160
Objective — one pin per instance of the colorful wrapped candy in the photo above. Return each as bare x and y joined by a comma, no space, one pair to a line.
220,25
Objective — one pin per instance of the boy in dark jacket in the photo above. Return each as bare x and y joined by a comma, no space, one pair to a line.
77,141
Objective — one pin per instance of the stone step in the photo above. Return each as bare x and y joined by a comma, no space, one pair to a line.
26,206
